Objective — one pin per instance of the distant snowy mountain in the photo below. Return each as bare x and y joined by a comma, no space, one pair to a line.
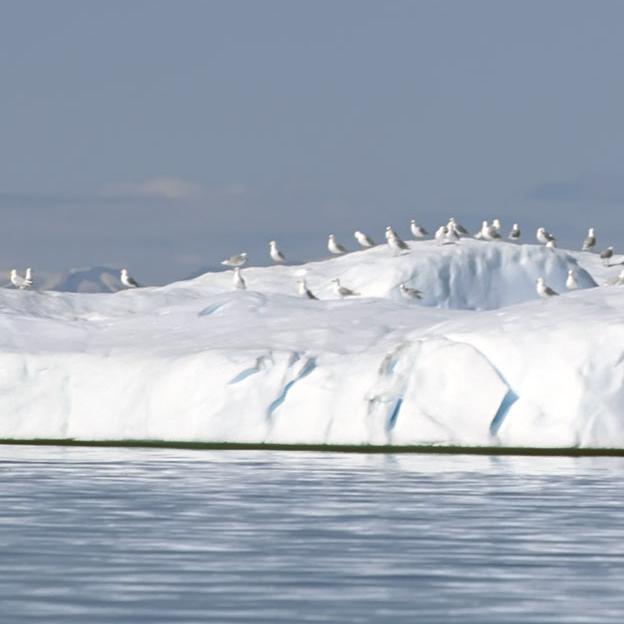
91,280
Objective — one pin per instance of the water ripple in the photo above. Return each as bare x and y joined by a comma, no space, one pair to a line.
146,535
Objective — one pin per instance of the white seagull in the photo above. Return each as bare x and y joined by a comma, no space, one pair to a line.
18,281
452,234
514,234
343,291
237,279
410,293
334,247
276,255
126,280
459,229
440,234
417,230
304,291
606,255
236,261
489,232
543,236
590,242
396,242
571,283
544,291
363,240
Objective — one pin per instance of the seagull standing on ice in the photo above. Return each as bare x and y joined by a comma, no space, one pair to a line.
18,281
452,232
590,242
343,291
396,242
545,291
128,281
496,225
571,283
237,279
514,234
489,232
335,247
417,230
304,291
440,234
606,255
236,261
363,240
460,230
276,255
543,236
410,293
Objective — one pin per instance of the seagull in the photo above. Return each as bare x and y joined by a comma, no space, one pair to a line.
440,234
571,283
496,226
545,291
304,291
334,247
276,255
18,281
365,241
452,235
410,293
389,233
489,232
459,229
606,255
514,234
590,241
128,281
237,279
236,261
397,243
343,291
543,236
417,230
28,277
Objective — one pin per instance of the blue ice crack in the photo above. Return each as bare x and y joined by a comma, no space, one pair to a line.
308,367
508,400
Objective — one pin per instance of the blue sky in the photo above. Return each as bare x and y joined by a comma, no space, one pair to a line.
166,135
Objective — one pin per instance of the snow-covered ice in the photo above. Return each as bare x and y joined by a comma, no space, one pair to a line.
480,360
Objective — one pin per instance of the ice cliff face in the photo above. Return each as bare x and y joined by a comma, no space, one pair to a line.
480,360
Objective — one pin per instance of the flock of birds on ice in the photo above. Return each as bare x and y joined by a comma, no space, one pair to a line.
450,233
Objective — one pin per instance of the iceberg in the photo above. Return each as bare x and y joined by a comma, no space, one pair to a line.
479,361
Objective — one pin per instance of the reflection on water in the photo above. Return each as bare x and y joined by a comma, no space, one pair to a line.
131,535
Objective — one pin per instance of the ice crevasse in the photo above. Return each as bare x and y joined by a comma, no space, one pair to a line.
480,360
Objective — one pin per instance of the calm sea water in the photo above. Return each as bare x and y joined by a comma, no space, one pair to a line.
127,535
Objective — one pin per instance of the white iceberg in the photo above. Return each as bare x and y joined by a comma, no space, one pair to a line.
480,360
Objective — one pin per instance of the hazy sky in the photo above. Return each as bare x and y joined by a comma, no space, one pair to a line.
164,135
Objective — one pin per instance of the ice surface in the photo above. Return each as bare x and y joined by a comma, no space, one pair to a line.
479,361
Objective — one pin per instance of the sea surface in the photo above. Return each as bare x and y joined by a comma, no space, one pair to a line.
96,535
